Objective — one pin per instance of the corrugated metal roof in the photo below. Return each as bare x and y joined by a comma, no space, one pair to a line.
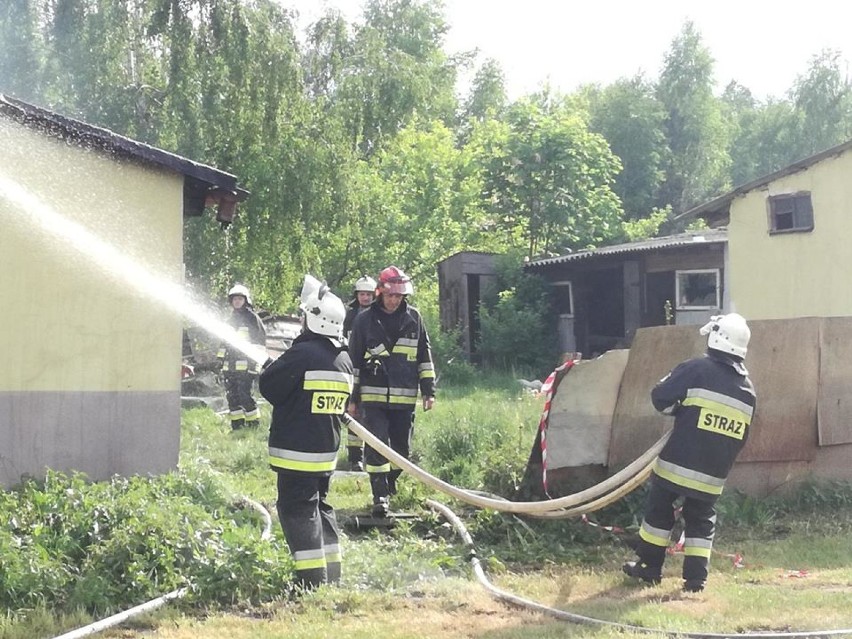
709,236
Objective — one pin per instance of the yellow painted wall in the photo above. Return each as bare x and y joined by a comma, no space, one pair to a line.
69,324
794,274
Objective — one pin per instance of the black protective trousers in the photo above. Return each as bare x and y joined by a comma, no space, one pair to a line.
310,526
699,517
241,404
393,427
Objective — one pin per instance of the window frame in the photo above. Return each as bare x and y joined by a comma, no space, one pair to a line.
773,200
716,272
570,286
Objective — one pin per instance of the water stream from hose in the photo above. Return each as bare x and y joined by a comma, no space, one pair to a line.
109,259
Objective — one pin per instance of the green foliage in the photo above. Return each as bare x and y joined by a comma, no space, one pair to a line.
647,227
631,118
548,179
695,130
516,322
471,444
357,153
105,546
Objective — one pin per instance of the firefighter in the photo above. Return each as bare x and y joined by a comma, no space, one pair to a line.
391,355
713,401
309,387
365,294
238,370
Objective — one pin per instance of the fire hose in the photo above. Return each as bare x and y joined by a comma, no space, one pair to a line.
564,615
586,500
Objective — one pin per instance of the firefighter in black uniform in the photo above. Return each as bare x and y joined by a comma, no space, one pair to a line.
239,370
365,294
392,358
309,387
713,401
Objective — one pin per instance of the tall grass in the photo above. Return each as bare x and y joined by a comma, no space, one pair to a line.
73,549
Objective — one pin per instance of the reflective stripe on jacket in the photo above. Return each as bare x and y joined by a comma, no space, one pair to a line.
309,387
250,329
388,374
713,401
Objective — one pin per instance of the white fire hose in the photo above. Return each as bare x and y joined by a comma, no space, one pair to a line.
599,495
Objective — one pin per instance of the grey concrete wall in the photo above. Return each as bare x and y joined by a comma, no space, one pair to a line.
98,433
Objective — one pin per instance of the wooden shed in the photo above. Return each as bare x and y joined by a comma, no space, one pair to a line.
91,374
462,280
604,295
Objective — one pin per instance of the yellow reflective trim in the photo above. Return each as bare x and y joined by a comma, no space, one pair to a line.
384,468
392,400
305,466
320,384
404,349
654,540
427,374
693,551
687,482
310,564
333,558
368,354
719,408
328,403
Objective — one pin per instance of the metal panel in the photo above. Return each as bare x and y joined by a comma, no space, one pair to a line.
580,416
834,402
784,362
653,353
783,359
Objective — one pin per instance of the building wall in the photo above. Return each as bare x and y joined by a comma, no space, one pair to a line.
454,295
794,274
90,379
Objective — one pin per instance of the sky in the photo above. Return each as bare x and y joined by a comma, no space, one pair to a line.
762,45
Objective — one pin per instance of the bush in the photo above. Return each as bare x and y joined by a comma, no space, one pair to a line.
73,545
518,330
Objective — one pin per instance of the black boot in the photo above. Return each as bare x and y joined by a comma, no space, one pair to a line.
693,585
642,571
356,458
381,508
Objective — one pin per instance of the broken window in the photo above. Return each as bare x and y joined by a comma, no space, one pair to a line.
698,289
791,213
563,299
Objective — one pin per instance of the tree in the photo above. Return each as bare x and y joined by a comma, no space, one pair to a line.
823,100
21,55
487,96
548,179
629,116
397,70
696,133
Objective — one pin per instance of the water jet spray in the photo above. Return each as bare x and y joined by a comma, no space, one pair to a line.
109,259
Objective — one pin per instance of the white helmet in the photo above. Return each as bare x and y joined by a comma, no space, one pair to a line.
324,311
365,284
310,286
728,334
239,289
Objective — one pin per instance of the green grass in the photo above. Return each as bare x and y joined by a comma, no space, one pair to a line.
415,581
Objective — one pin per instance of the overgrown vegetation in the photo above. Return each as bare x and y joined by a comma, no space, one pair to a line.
359,151
74,549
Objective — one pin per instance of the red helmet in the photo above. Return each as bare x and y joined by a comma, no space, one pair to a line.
393,280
